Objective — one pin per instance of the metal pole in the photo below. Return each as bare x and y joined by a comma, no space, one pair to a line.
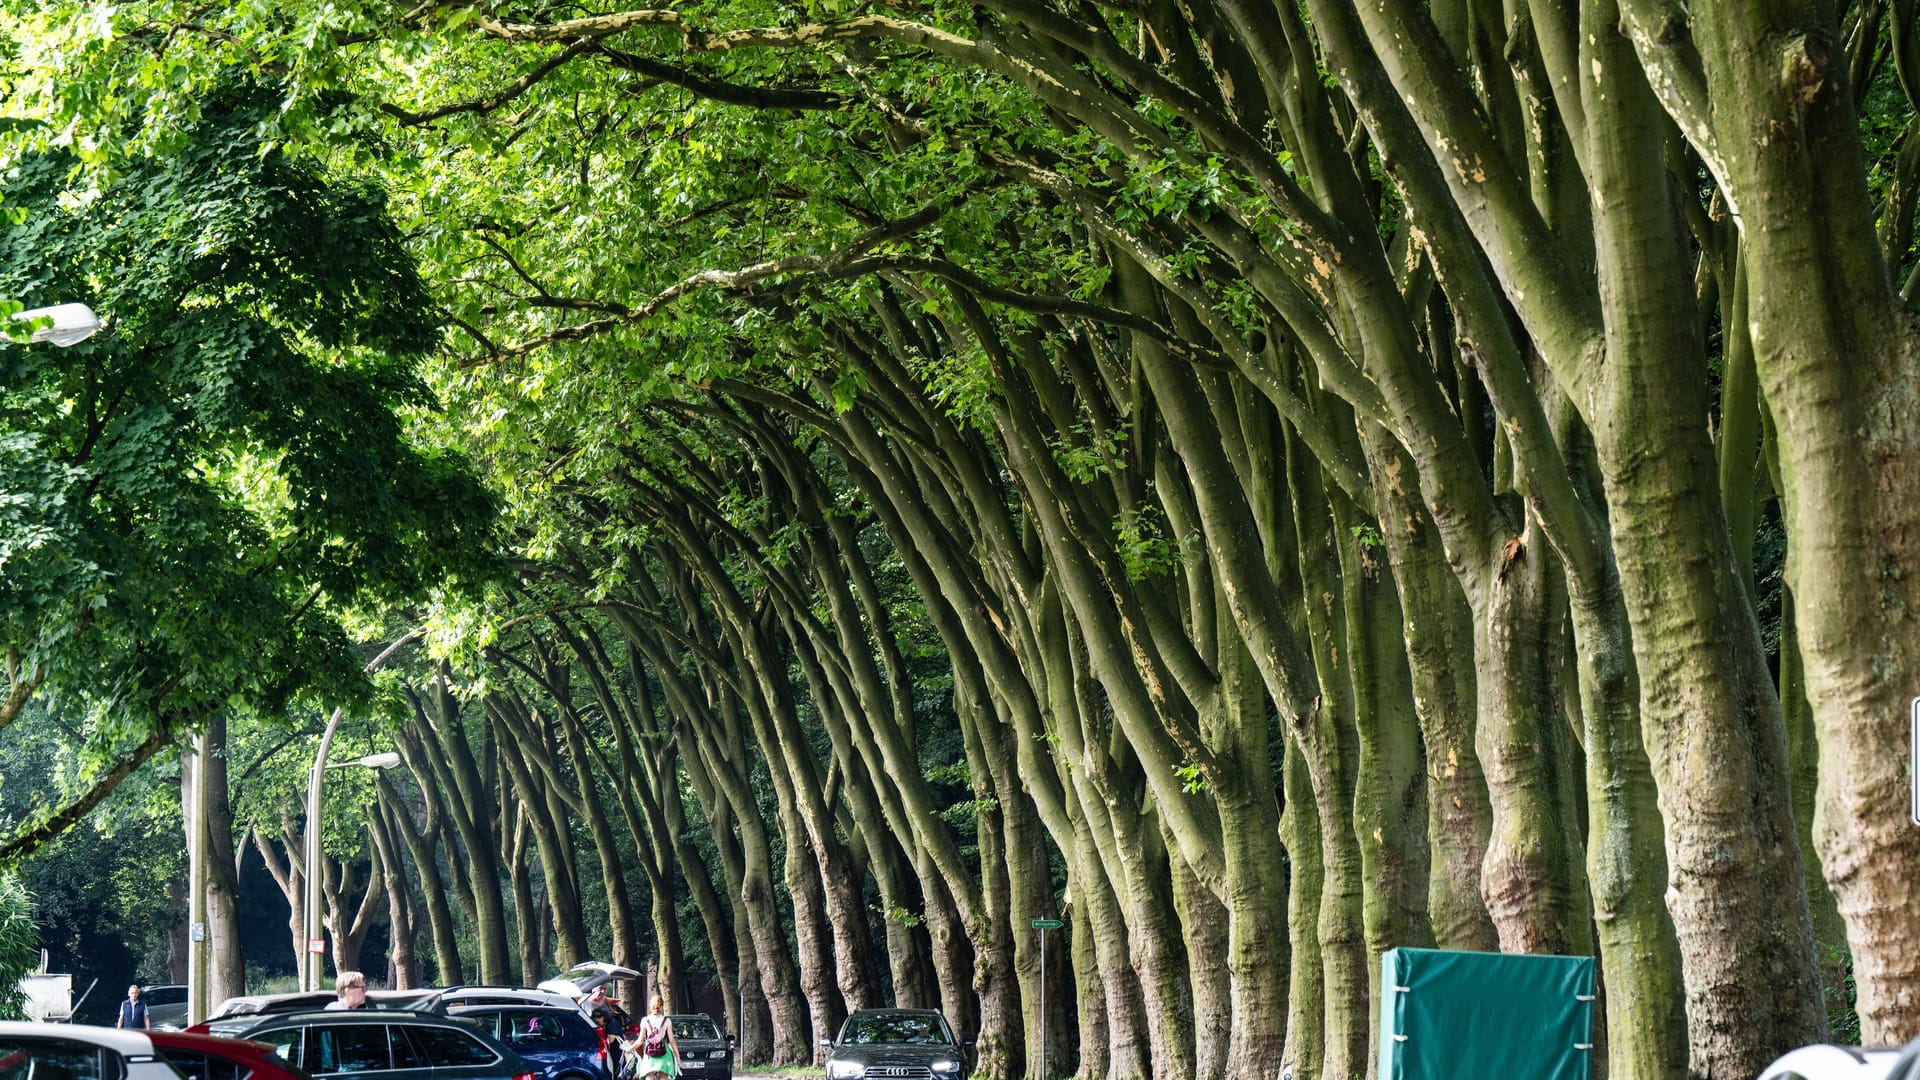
198,941
1043,1004
316,962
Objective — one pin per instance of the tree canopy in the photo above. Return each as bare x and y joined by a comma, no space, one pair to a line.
1349,474
196,497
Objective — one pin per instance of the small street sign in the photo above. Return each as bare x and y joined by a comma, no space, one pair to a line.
199,932
1055,924
317,945
1913,763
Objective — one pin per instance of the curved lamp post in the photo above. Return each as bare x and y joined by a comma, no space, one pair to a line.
313,962
72,323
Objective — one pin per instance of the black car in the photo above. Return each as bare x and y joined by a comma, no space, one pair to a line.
895,1044
377,1043
254,1005
559,1042
704,1051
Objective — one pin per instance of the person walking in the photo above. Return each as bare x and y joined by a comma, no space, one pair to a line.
656,1050
133,1011
349,990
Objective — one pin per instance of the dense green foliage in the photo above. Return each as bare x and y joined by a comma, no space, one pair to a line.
1268,481
196,495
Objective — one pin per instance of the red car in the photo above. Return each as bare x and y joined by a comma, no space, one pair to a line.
209,1057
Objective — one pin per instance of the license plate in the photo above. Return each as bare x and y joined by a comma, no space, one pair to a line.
693,1064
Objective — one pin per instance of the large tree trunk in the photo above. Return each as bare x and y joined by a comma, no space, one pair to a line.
290,875
446,946
467,803
1438,629
1305,1051
1707,703
402,966
1203,920
526,916
228,971
520,734
1803,762
1117,992
1786,149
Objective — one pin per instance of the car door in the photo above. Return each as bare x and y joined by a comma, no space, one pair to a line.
539,1036
197,1065
456,1053
288,1043
348,1049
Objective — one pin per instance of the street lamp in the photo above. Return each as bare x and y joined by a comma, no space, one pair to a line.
372,761
309,968
314,963
72,323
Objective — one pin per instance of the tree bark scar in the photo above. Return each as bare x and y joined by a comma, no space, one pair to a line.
1804,73
1511,553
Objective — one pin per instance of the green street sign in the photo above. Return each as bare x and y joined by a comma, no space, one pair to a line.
1047,924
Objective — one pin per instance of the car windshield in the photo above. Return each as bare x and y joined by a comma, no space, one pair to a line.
911,1029
694,1027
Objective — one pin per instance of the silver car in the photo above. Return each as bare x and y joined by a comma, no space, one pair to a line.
166,1006
78,1052
1847,1063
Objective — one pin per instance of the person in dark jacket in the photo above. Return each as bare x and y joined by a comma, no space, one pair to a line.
133,1012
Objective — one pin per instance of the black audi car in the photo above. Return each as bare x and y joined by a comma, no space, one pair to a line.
896,1044
704,1051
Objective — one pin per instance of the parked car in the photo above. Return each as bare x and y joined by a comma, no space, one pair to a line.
1847,1063
417,1001
454,997
909,1044
379,1043
33,1051
166,1006
704,1051
560,1043
581,978
206,1057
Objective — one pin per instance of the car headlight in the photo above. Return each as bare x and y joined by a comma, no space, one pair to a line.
946,1065
845,1070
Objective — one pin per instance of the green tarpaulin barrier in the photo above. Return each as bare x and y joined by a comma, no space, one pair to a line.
1485,1016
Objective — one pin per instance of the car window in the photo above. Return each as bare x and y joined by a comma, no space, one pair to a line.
406,1053
919,1030
165,995
694,1027
535,1030
484,1020
447,1047
286,1042
197,1066
49,1059
345,1048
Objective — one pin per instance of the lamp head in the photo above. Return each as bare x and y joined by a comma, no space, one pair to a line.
72,323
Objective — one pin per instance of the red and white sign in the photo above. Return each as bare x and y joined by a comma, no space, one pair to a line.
317,945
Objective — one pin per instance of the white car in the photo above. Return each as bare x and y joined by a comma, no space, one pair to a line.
581,979
77,1052
1844,1063
510,995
